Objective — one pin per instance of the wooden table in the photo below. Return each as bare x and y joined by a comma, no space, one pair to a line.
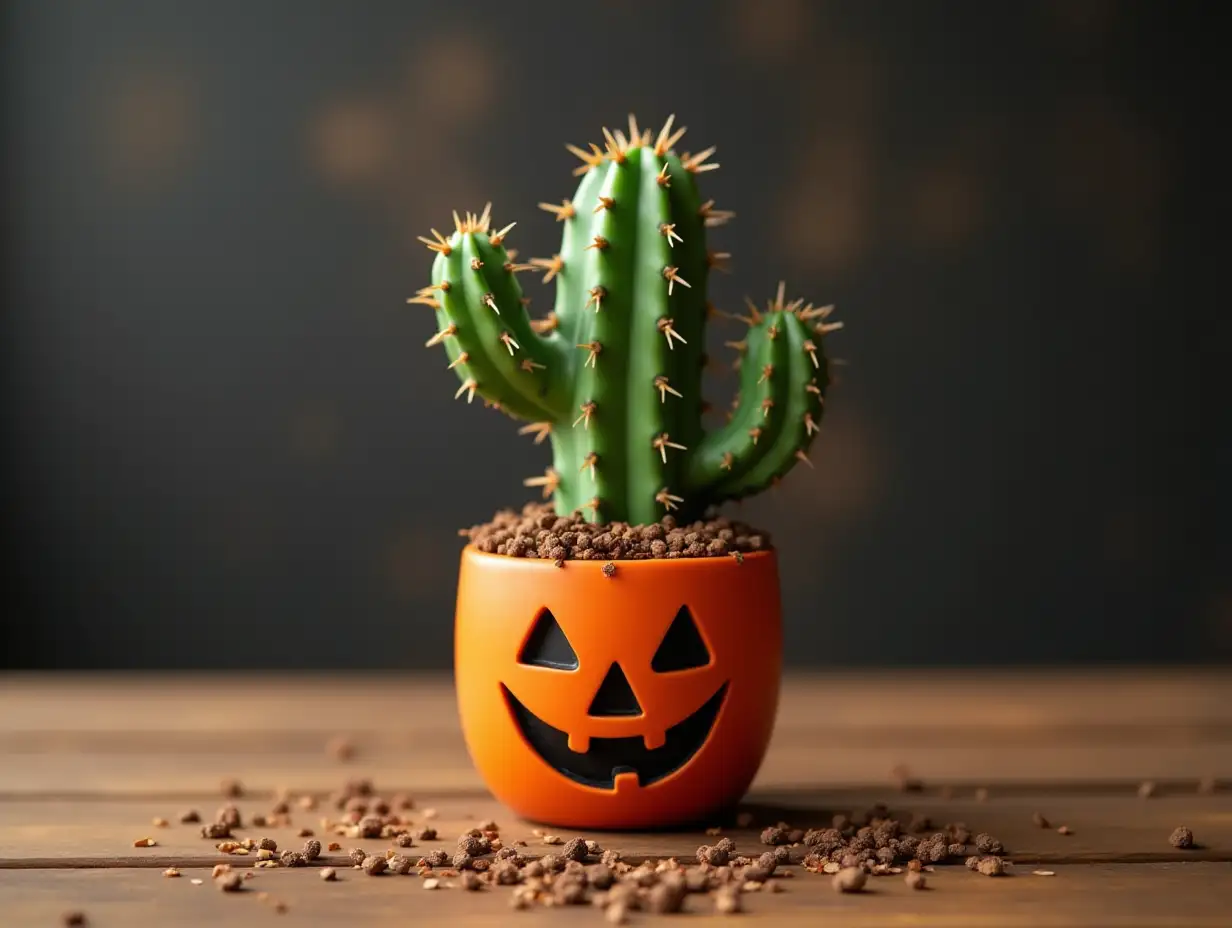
88,762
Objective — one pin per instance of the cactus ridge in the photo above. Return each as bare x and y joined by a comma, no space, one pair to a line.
612,376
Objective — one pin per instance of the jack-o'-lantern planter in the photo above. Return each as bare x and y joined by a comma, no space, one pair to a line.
640,699
608,678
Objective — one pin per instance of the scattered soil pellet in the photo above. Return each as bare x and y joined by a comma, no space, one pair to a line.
399,864
901,775
229,815
987,844
171,872
973,862
552,840
1147,789
776,834
426,834
160,823
311,850
74,918
991,866
358,855
471,882
1040,821
190,817
714,855
304,833
916,880
292,859
474,846
219,870
403,840
232,788
329,874
609,570
230,883
267,844
341,748
849,880
1065,830
574,849
727,900
374,865
1182,838
335,846
144,842
437,858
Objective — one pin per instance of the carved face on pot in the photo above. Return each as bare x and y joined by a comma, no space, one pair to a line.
635,700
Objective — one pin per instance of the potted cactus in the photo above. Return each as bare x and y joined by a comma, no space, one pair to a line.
618,650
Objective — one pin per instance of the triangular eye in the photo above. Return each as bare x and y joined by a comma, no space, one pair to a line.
547,645
682,647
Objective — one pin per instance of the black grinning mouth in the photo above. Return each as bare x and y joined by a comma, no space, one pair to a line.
609,757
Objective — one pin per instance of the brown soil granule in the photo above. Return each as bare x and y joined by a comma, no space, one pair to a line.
312,850
400,865
991,866
74,918
425,834
987,844
329,874
776,834
357,855
190,817
215,831
229,883
916,880
850,880
1182,838
537,532
374,865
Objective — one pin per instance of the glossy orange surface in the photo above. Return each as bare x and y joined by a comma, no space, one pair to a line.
618,620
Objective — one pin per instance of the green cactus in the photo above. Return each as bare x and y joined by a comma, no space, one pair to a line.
613,375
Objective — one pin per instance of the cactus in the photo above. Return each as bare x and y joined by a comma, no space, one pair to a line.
613,375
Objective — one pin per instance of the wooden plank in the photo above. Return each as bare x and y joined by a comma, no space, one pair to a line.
1000,703
443,766
1105,828
1116,896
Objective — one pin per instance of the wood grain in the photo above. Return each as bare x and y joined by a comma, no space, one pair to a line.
1112,896
88,761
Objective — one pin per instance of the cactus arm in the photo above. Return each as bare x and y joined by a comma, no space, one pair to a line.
762,443
490,343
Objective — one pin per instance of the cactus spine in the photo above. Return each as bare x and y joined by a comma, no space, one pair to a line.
613,375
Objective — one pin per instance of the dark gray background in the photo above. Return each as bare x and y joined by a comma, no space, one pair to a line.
224,444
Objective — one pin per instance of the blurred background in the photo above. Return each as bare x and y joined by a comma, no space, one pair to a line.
225,446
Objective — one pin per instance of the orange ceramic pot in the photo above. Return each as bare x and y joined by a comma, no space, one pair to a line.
641,699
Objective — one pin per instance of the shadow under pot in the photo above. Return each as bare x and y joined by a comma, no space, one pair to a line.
637,700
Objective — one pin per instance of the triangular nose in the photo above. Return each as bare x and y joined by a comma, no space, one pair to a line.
615,696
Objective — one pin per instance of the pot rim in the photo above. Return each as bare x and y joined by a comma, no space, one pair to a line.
622,564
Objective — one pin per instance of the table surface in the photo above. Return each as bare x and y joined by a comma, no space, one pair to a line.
88,762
